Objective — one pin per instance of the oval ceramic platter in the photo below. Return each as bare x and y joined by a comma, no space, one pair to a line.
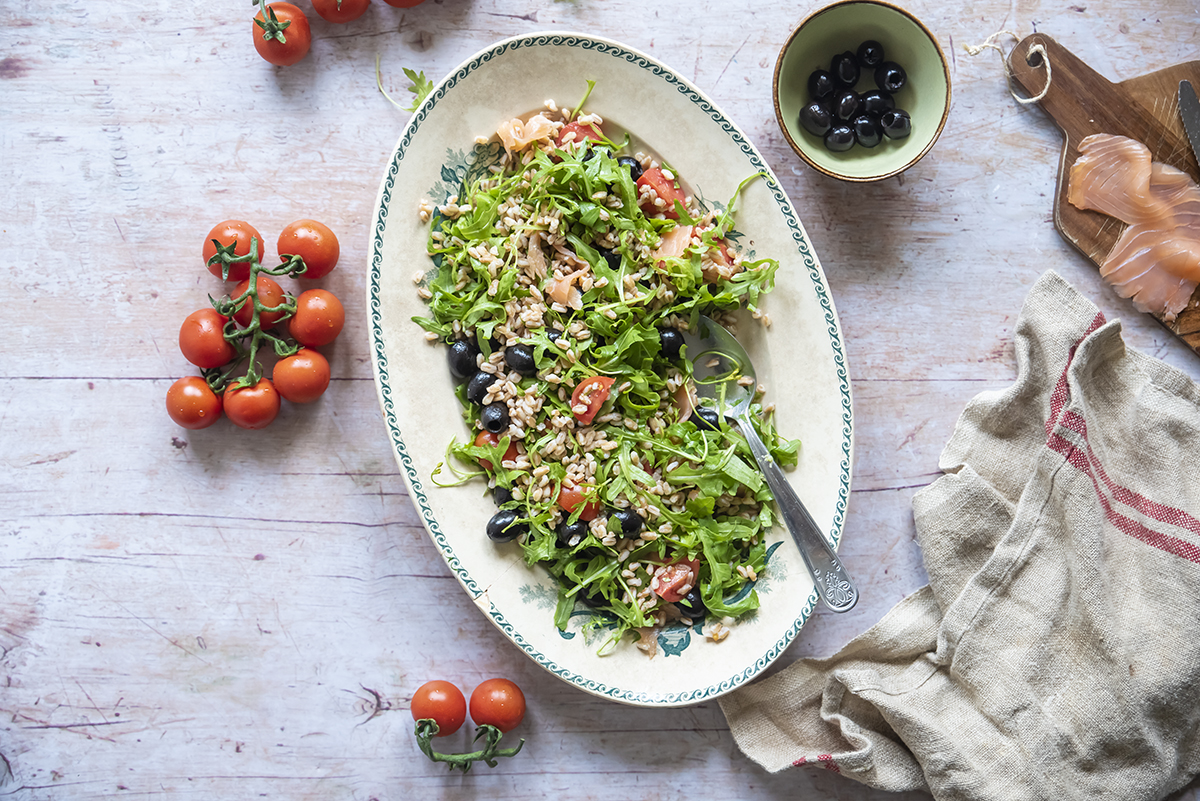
801,358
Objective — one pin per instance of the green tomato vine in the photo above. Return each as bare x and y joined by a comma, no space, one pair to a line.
427,729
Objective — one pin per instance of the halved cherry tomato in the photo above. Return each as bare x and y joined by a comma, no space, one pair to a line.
318,319
581,130
313,242
441,702
252,407
269,294
499,703
596,390
340,11
492,440
227,233
669,580
192,404
302,377
667,190
202,339
571,498
297,36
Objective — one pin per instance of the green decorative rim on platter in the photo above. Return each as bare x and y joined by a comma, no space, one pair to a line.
411,378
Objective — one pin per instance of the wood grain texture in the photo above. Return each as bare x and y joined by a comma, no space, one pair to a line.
229,614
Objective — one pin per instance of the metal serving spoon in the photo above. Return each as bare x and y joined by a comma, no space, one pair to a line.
723,374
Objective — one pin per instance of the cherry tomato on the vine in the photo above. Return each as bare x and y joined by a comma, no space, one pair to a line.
270,294
192,404
340,11
441,702
319,318
313,242
202,339
302,377
499,703
252,407
289,23
226,233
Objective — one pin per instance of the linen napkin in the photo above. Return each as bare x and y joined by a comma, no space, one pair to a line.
1055,653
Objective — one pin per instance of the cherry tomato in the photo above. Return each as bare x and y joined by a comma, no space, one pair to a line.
499,703
490,439
581,130
269,294
340,11
669,581
403,3
252,407
302,377
441,702
297,35
226,233
571,498
313,242
192,404
202,339
596,389
667,190
319,318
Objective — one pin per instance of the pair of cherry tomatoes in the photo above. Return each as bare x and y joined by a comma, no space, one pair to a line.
495,702
283,37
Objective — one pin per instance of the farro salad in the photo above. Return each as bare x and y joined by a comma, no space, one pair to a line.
561,282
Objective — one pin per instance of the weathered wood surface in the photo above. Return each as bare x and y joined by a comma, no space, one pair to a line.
229,614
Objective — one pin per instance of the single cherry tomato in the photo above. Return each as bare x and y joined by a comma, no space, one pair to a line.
318,319
302,377
595,389
270,294
313,242
340,11
441,702
228,233
582,131
252,407
499,703
202,339
403,3
491,440
571,498
667,191
289,23
670,580
192,403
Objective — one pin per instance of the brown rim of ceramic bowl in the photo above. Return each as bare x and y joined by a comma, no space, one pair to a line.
779,114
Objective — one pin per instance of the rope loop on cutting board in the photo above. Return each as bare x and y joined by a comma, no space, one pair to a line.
1036,47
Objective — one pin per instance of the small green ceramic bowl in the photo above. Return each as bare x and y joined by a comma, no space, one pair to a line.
844,26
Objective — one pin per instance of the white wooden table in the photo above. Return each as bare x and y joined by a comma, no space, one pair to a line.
231,614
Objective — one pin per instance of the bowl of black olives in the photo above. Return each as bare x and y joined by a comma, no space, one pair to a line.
862,90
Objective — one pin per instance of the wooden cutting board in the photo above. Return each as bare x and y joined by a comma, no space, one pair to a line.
1082,102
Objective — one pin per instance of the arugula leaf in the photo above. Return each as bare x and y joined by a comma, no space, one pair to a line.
421,87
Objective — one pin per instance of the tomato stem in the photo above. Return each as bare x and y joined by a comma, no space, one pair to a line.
427,729
272,27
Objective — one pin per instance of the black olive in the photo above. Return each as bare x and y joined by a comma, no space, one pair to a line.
890,77
519,357
816,119
612,257
692,604
478,386
503,526
706,419
845,105
568,531
876,102
820,85
494,417
635,166
553,334
896,124
867,131
502,495
631,522
669,342
844,68
870,53
594,599
839,138
462,358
